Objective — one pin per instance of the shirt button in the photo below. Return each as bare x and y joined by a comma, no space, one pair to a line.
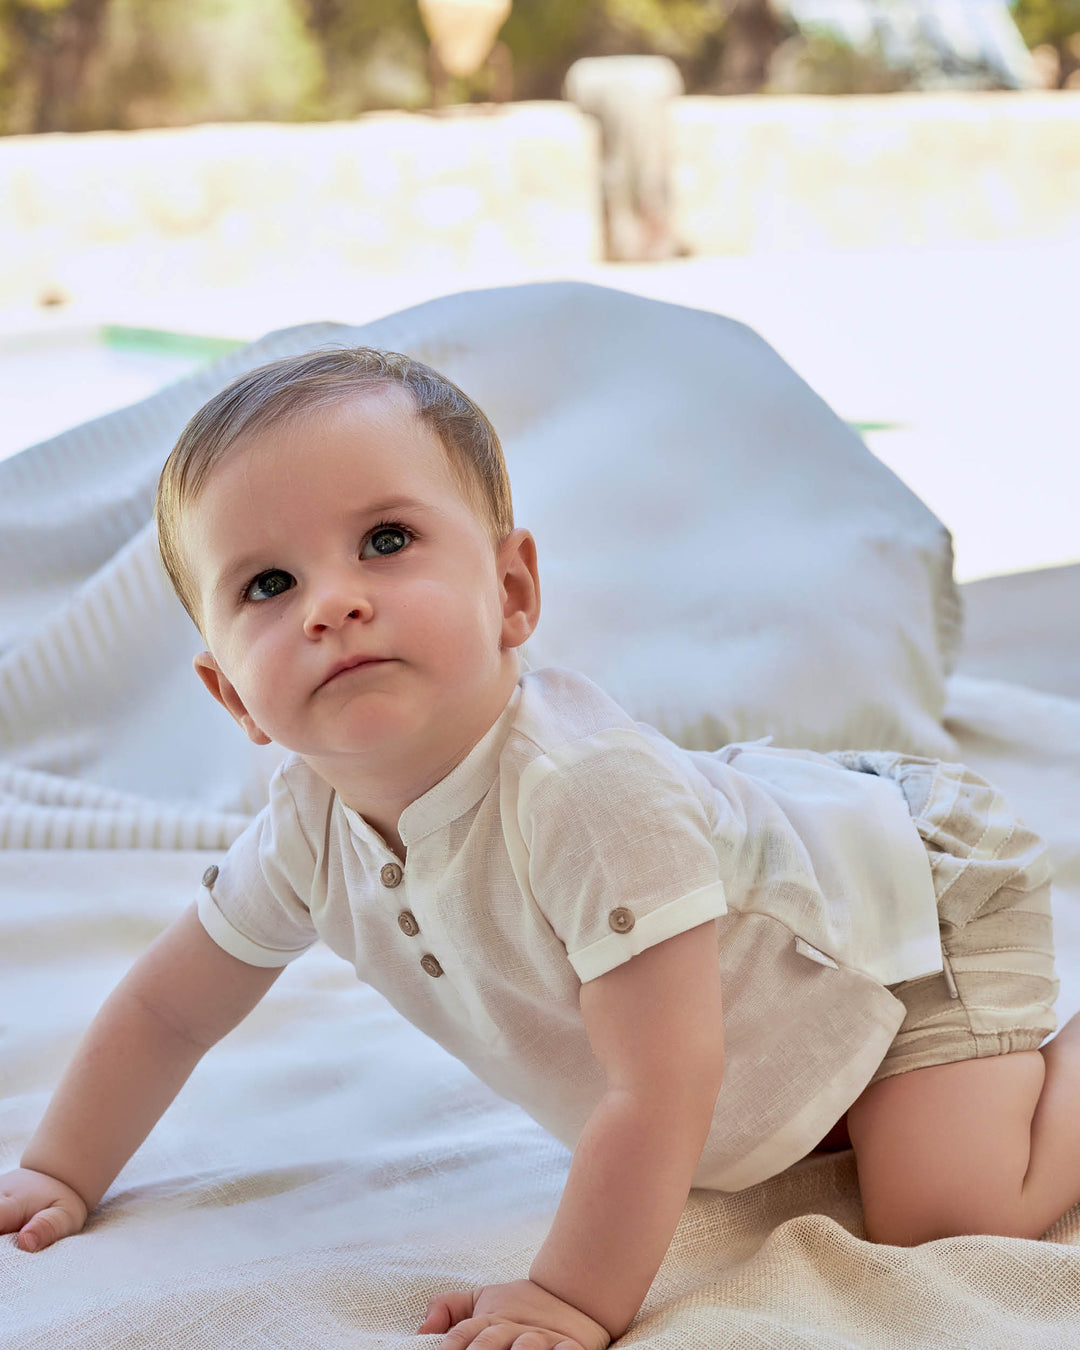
407,923
391,874
430,965
209,877
621,920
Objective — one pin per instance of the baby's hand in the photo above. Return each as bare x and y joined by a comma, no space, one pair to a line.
40,1208
521,1309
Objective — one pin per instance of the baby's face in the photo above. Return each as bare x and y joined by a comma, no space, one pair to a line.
353,602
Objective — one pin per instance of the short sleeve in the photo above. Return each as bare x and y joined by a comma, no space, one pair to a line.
256,905
620,842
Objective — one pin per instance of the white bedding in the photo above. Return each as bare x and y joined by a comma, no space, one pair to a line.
327,1168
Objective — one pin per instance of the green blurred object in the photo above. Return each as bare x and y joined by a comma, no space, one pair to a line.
192,345
863,427
54,378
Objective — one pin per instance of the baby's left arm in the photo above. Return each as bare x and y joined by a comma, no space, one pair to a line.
655,1024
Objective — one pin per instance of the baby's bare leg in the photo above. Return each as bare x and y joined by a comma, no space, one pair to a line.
981,1146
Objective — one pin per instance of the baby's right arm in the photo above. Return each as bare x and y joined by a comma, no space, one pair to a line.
180,998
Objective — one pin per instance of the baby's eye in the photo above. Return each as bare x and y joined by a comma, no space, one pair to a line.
385,539
268,584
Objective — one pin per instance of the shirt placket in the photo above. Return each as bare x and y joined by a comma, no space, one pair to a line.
436,947
392,874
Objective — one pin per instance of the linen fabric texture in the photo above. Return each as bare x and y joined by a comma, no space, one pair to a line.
992,877
567,841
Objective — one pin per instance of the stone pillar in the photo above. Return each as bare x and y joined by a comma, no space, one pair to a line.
630,96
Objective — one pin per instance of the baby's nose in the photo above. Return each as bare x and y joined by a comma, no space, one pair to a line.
333,607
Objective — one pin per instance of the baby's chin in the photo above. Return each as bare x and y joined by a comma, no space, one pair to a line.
363,735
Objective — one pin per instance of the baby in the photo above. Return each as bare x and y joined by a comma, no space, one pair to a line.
691,967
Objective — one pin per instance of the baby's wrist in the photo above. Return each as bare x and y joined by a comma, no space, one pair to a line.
598,1328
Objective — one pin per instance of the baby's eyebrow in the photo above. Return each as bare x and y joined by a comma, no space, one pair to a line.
393,504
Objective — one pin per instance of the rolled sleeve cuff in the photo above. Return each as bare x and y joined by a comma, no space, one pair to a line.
678,916
234,942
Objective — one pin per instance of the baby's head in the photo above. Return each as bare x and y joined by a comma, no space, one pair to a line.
288,389
339,527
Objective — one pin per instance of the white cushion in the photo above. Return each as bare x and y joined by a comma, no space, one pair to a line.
717,548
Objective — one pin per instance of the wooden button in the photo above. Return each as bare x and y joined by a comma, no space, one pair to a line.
209,877
406,921
621,920
430,965
391,874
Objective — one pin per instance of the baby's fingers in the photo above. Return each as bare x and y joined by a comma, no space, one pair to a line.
41,1209
444,1310
46,1227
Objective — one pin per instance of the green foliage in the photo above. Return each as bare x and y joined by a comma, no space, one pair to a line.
182,61
544,37
676,28
547,36
1050,21
44,49
13,8
374,54
819,62
89,64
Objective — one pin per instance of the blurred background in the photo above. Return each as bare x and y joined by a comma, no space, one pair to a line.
887,190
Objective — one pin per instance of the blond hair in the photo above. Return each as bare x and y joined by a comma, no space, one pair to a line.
297,384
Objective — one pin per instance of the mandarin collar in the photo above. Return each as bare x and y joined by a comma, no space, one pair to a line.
455,794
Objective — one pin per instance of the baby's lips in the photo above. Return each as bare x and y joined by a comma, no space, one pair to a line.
343,666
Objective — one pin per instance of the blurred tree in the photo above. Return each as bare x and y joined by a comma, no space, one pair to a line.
128,64
821,63
374,54
174,62
751,35
87,64
674,28
547,36
1052,21
1051,28
45,48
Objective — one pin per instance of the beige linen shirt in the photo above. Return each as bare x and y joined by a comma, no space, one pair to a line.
567,841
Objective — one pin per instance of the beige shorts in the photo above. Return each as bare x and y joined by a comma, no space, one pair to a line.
992,879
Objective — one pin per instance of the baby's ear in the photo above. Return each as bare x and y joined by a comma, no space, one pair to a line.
213,677
520,581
